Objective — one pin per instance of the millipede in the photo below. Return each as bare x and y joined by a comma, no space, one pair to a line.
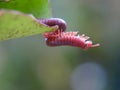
62,38
54,21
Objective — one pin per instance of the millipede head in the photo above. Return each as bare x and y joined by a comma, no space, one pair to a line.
88,44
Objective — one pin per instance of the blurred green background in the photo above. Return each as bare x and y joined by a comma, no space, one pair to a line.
28,64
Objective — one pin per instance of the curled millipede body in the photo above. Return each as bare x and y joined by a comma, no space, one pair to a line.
69,38
54,21
61,38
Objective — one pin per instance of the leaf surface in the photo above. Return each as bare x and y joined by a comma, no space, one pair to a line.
15,24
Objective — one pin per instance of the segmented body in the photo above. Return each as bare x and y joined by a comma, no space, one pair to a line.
54,21
61,38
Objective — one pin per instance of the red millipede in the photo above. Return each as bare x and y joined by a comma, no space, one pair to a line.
54,21
61,38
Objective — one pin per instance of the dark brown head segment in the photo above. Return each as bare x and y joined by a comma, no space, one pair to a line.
54,21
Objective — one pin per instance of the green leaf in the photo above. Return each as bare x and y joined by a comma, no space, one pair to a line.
15,24
39,8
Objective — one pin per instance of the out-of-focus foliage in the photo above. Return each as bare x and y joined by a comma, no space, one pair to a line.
39,8
100,20
28,64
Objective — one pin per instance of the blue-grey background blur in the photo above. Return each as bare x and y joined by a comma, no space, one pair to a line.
28,64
